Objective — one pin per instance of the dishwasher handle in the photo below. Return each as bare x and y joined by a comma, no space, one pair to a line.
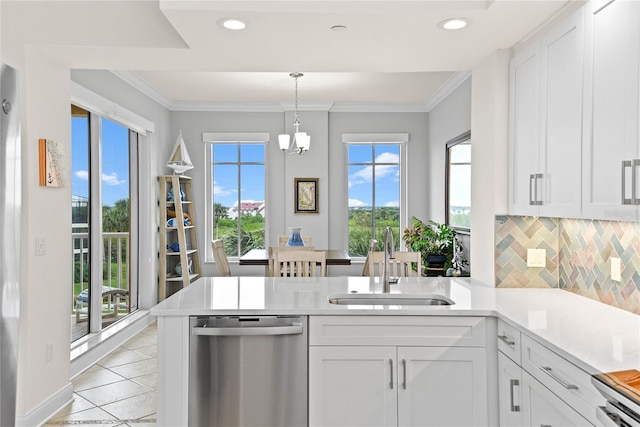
254,331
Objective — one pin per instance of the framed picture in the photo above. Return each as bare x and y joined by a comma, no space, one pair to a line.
51,161
306,195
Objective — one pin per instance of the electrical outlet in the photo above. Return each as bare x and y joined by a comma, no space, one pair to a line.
616,267
536,258
41,246
49,352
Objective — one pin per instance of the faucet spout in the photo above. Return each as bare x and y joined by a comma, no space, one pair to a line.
389,253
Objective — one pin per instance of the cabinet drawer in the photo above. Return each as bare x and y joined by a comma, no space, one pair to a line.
450,331
509,341
570,383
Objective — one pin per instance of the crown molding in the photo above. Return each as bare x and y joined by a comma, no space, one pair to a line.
447,88
377,108
135,81
335,107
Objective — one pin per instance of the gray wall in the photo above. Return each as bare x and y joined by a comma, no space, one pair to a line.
326,160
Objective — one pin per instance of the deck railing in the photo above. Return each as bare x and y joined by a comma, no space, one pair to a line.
115,254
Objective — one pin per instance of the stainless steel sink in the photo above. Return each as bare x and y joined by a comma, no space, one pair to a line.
390,299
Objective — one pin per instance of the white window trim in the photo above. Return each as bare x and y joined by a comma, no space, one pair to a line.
210,138
91,101
384,138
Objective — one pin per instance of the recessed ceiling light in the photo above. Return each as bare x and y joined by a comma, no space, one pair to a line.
454,23
232,24
339,28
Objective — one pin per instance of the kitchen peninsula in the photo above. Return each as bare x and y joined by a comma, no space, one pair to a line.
587,336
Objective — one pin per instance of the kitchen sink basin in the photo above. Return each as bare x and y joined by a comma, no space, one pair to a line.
390,299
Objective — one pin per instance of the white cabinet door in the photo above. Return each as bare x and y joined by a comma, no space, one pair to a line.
352,386
610,122
509,388
545,124
543,408
524,132
442,386
561,119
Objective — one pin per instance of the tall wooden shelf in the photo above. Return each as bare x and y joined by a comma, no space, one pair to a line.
182,232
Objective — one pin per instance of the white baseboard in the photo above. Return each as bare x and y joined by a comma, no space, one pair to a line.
46,409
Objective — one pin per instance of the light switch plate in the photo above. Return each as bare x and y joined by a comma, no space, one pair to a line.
616,267
536,258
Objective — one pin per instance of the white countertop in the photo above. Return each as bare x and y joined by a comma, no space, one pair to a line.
594,336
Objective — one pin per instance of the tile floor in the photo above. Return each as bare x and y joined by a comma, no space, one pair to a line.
119,390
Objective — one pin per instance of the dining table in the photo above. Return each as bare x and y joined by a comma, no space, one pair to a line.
261,257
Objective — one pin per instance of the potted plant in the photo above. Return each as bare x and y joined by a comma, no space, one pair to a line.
440,248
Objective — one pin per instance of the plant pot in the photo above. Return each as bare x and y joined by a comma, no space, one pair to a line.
435,265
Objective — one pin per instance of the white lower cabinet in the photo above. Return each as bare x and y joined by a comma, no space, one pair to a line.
543,408
397,384
539,387
510,389
352,386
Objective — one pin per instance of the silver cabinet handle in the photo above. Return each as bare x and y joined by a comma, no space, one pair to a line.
505,339
512,384
546,425
531,184
391,370
536,177
547,370
404,374
268,330
628,164
634,193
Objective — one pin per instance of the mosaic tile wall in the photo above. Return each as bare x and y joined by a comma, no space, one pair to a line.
578,257
516,234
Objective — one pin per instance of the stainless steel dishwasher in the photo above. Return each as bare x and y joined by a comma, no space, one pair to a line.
248,371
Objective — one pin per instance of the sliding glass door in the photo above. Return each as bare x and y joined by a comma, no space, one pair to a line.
104,158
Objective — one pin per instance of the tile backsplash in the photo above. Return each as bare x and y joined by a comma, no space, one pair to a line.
578,257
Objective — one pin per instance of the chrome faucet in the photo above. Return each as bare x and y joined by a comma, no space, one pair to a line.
389,253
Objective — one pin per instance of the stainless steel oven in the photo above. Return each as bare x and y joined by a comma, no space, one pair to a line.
621,408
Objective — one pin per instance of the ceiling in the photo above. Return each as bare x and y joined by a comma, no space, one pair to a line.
392,52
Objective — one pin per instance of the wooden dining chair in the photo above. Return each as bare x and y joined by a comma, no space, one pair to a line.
282,240
373,246
220,258
400,266
273,249
300,263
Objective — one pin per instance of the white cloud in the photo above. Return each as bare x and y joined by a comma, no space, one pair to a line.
365,174
219,191
355,203
393,204
112,179
83,175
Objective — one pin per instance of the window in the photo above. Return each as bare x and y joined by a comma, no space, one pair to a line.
103,161
375,200
237,207
458,182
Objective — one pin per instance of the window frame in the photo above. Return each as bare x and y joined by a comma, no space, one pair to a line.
460,139
210,139
399,139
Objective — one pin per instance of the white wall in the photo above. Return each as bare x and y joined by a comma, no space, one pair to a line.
46,290
450,118
489,170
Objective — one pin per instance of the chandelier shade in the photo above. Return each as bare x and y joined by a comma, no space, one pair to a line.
301,141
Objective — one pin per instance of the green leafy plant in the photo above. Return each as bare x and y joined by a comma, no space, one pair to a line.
433,238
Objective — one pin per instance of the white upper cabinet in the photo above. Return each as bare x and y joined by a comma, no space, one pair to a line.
545,124
610,136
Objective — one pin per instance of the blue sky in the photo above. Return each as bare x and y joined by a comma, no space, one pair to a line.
115,160
360,176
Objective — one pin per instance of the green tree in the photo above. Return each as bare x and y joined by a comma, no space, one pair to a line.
219,211
116,218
